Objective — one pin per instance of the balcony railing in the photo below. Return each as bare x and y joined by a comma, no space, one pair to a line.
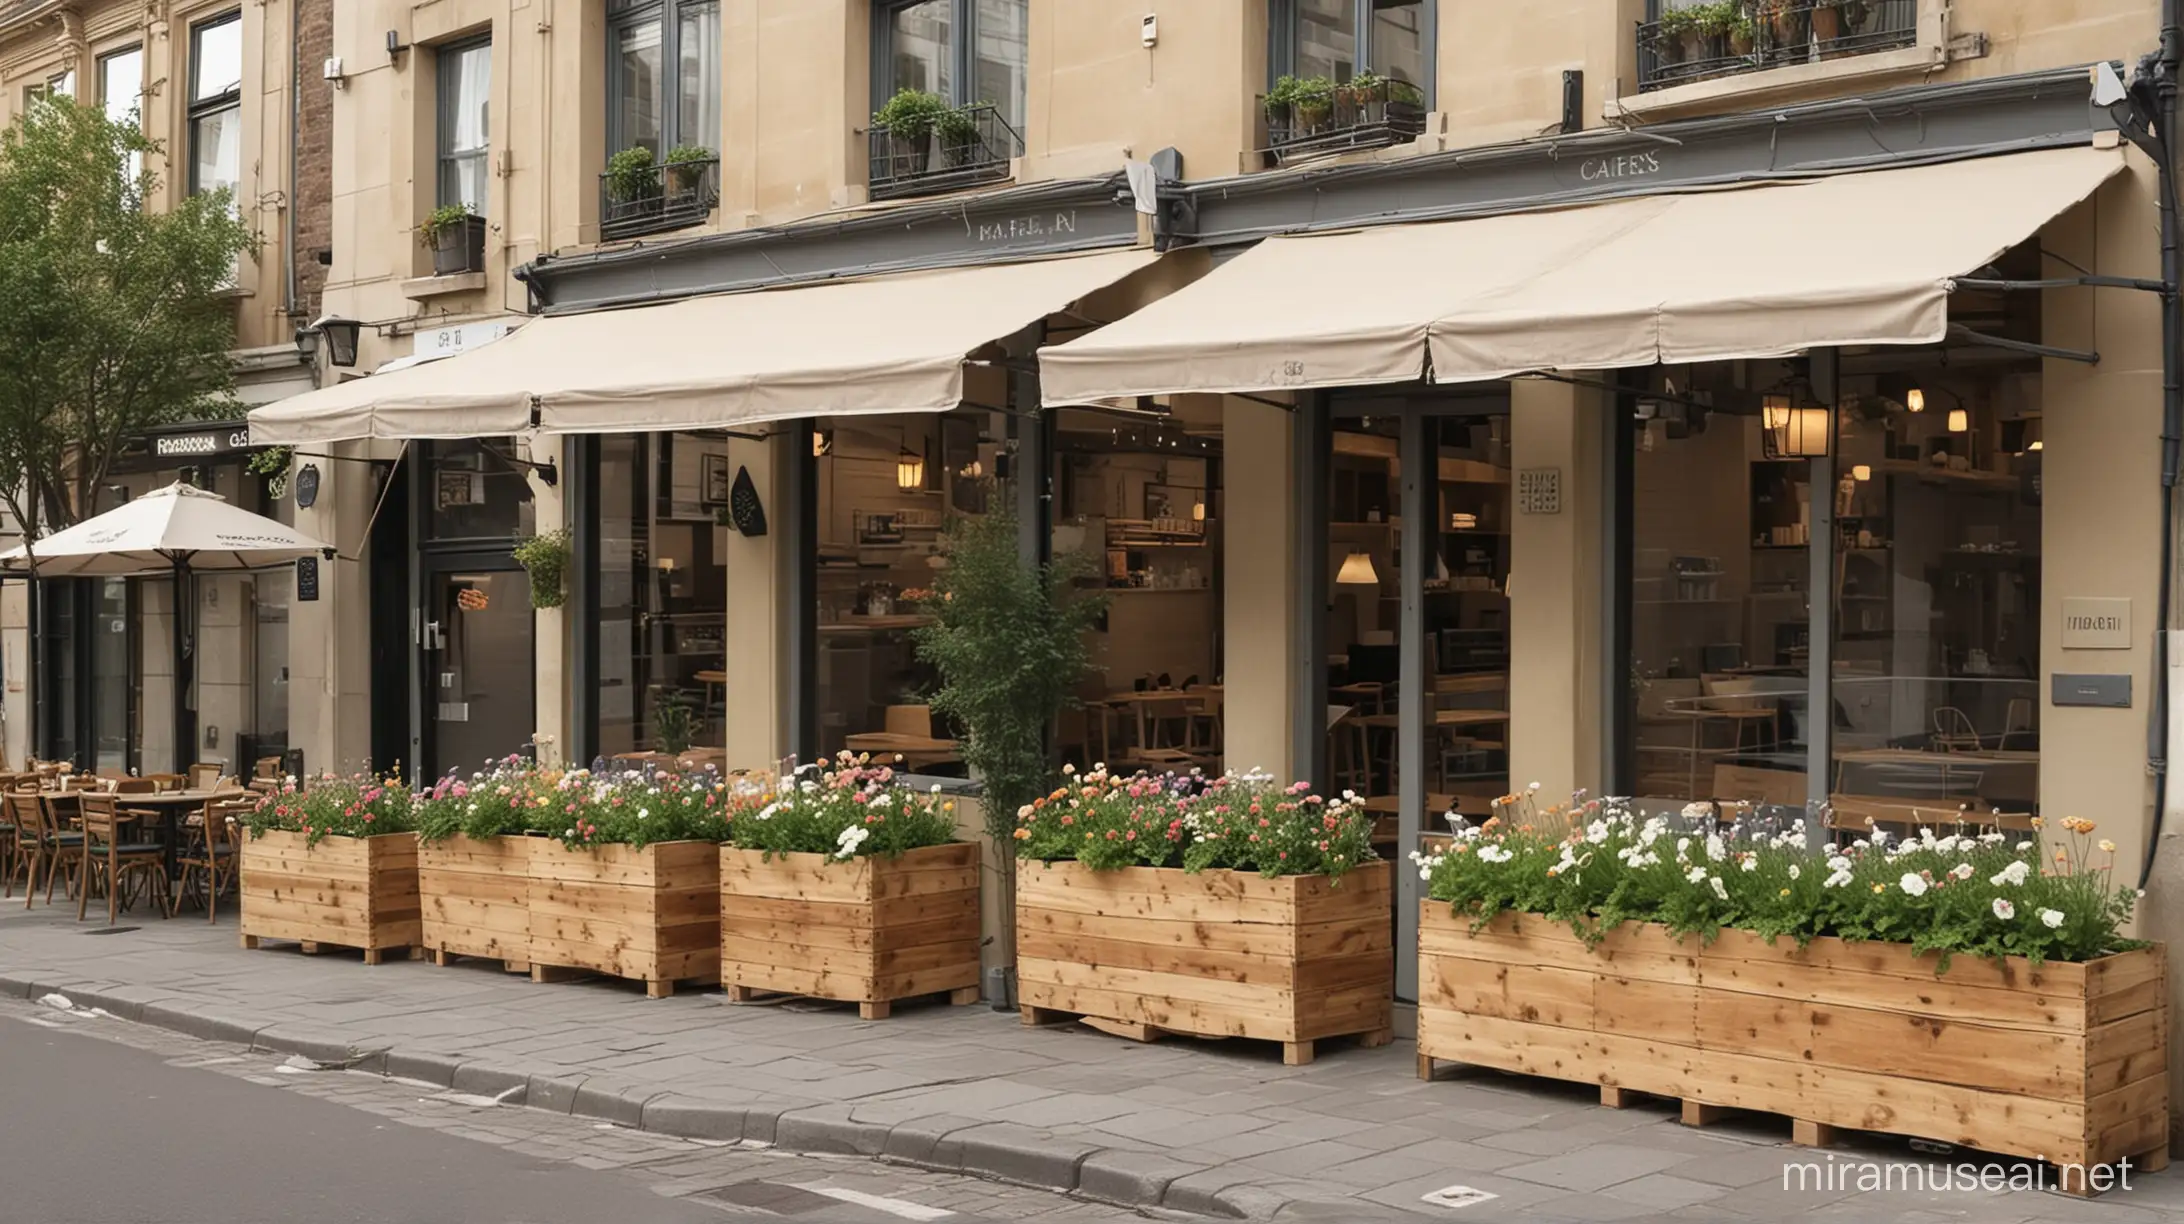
1352,115
1717,40
970,146
665,196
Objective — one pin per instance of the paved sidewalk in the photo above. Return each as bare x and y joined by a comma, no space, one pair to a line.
1213,1128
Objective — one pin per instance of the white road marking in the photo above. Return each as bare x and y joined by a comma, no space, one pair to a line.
892,1206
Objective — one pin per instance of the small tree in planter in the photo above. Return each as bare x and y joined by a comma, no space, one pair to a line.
332,865
844,884
545,559
456,238
1008,640
909,119
1124,877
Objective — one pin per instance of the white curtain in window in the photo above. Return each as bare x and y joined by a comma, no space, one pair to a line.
698,81
217,145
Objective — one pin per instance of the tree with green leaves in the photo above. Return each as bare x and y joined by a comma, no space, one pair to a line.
1008,641
114,317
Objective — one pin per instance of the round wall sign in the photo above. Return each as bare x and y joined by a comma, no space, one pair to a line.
307,485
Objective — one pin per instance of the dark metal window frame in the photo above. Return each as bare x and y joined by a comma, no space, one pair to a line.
962,52
108,57
668,13
1281,30
446,88
201,108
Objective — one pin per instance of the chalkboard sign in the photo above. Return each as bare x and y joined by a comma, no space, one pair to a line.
307,482
307,579
743,505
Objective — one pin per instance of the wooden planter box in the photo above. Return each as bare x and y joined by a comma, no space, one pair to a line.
868,931
350,892
1147,950
475,894
2066,1063
652,915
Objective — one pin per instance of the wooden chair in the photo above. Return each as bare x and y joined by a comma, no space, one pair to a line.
211,847
111,858
914,720
135,786
43,847
204,777
13,861
266,767
1204,725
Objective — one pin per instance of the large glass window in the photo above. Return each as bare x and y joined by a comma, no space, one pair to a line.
466,78
1335,39
121,93
967,51
663,79
216,104
59,85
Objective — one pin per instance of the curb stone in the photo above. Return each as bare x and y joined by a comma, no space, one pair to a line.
978,1147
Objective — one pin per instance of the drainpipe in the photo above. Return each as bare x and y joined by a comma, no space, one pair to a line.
293,308
2172,409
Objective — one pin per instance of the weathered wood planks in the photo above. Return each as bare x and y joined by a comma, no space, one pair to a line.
352,892
1213,954
868,931
2066,1063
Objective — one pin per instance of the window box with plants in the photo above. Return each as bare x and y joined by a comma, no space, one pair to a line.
1970,988
333,865
920,142
1220,908
1702,41
842,883
643,194
456,237
1311,115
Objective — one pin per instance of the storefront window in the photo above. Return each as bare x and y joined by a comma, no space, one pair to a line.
475,492
1144,499
661,594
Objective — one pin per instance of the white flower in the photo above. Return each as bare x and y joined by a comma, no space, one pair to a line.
851,838
1913,884
1719,891
1837,862
1695,875
2023,846
1714,848
2051,919
1751,862
1794,871
1533,786
1838,880
1962,871
2003,909
1683,848
2012,875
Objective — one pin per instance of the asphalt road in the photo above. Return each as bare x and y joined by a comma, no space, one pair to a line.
100,1133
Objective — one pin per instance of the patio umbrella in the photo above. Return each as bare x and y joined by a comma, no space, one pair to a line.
177,530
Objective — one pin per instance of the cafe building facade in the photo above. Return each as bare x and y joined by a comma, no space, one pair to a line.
1737,441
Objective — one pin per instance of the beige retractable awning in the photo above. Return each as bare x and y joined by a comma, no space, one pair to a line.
885,344
1714,275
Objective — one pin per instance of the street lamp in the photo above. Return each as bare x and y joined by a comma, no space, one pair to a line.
339,335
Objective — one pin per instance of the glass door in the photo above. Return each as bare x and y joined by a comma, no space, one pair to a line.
477,655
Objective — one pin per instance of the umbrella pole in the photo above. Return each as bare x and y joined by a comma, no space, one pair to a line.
185,610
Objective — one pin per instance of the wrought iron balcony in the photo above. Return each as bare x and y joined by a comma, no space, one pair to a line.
969,146
664,196
1698,43
1352,115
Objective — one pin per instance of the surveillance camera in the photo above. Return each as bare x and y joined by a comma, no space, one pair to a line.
2107,85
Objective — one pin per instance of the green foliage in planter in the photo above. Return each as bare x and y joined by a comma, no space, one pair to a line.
1717,18
631,175
912,114
957,129
510,797
1596,865
580,808
1240,822
1292,94
356,806
272,463
1008,640
854,810
441,220
545,557
674,722
682,154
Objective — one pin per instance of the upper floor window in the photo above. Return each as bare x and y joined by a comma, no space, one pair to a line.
948,77
59,85
466,77
216,104
663,75
1686,40
121,94
1347,74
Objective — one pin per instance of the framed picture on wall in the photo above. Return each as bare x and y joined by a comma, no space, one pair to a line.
714,487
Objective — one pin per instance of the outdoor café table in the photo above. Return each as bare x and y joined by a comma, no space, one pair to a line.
172,806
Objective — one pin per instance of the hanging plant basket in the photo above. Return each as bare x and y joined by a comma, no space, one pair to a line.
545,557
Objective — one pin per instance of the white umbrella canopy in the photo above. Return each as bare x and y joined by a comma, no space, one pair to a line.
178,526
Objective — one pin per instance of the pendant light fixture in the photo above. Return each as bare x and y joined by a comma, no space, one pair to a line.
909,467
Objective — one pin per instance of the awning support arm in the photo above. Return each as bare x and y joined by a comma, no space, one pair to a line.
1960,332
2064,282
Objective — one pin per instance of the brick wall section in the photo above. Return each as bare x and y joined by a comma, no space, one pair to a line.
314,202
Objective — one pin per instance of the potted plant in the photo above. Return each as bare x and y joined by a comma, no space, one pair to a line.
1827,24
1740,32
1971,987
908,120
1312,102
957,133
1708,28
474,862
674,723
456,238
633,179
545,559
1784,23
332,865
1126,880
843,883
1668,36
686,169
